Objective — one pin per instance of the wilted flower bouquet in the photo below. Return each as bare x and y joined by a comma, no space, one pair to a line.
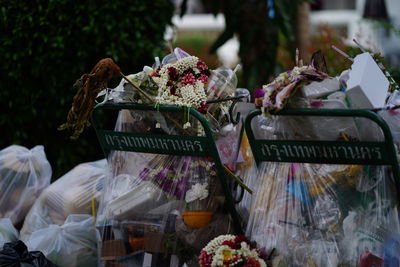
282,87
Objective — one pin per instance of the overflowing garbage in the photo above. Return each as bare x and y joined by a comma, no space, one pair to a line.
199,172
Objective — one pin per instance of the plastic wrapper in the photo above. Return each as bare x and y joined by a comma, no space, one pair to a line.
16,254
158,210
7,232
72,244
24,174
248,172
70,194
392,117
323,214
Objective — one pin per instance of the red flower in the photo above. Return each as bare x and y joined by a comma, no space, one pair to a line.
241,238
251,262
203,108
201,65
173,90
205,259
173,73
154,74
188,79
203,78
231,244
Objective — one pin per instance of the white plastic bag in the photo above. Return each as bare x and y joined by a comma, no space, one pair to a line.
70,194
24,174
7,232
72,244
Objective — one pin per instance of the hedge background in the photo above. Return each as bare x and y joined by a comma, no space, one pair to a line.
46,45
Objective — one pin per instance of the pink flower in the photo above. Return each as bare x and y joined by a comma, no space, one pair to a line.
188,79
201,65
203,78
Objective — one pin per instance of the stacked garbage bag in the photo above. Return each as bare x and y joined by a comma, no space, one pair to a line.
61,223
57,219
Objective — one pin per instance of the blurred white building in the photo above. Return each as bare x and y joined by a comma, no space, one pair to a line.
346,15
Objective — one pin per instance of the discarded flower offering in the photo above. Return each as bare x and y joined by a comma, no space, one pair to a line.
230,250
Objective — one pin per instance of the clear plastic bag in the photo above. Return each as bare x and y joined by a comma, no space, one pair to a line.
158,208
70,194
392,117
247,170
7,232
24,174
322,214
299,205
72,244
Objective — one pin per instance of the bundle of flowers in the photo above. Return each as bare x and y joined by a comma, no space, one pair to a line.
172,173
230,250
285,85
182,83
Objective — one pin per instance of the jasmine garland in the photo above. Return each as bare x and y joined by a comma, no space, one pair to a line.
182,83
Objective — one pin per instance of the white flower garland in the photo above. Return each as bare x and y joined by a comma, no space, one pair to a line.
214,244
220,252
189,95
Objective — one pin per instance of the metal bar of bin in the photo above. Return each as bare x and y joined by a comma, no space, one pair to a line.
329,152
180,145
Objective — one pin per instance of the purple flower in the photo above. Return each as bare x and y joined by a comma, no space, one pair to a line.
259,93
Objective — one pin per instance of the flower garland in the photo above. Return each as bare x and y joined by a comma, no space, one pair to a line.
182,83
283,86
197,192
230,250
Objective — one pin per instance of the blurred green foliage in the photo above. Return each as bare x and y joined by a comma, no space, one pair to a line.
257,24
46,45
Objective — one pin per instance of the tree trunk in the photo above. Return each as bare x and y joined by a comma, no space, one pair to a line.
303,31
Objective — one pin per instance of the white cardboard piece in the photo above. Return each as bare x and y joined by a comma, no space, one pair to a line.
367,86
